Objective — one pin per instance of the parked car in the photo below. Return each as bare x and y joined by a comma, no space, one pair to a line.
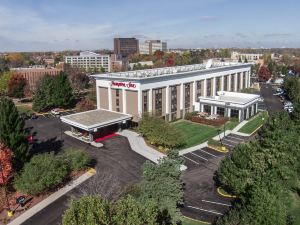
55,111
288,103
261,99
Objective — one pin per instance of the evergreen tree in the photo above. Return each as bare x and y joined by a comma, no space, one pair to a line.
12,132
43,97
63,92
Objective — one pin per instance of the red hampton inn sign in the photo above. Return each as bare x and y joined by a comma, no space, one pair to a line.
123,84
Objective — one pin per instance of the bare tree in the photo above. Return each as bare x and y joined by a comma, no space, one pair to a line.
105,184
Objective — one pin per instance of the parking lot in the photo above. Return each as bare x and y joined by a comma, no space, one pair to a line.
201,198
115,159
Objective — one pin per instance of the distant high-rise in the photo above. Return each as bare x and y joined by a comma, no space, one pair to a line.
126,46
151,46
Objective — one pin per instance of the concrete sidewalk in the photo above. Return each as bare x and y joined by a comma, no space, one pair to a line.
139,145
38,207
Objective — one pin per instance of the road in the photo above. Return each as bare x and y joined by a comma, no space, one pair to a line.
115,162
271,101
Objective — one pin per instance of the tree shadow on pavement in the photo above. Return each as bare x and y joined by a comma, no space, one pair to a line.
49,145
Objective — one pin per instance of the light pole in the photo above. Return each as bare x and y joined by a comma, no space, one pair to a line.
9,212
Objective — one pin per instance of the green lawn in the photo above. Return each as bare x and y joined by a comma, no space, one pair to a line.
187,221
195,133
254,123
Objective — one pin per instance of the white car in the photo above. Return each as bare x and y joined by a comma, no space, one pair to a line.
288,103
55,111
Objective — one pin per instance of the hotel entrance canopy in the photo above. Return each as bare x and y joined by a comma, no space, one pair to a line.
92,120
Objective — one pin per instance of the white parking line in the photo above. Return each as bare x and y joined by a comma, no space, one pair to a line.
229,145
207,153
210,211
240,139
199,156
217,203
235,142
191,160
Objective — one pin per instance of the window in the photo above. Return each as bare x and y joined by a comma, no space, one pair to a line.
158,100
232,82
239,81
187,96
218,84
207,109
117,93
208,87
245,79
225,83
234,113
173,102
221,111
145,101
199,89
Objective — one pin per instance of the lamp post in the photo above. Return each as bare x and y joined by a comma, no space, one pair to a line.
9,213
226,114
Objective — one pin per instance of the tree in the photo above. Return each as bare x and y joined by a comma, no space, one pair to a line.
162,184
78,79
85,105
42,100
12,132
4,80
15,59
62,95
5,164
264,73
16,86
89,210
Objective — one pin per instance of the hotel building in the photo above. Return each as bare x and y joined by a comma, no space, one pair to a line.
168,92
90,60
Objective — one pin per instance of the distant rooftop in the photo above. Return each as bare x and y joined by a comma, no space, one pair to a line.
86,54
167,71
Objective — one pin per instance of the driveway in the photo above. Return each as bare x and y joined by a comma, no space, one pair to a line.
117,166
272,102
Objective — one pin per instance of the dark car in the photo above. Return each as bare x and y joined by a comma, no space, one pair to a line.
33,116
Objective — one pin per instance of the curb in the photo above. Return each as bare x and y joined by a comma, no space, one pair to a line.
225,195
52,198
218,150
196,220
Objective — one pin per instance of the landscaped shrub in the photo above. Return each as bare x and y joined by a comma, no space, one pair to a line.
76,159
44,171
160,133
189,115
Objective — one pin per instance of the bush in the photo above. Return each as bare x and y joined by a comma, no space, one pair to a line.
43,172
160,133
188,116
76,159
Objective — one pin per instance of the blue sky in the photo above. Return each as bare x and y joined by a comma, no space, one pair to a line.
41,25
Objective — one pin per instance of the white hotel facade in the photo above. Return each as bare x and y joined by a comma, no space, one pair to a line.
169,92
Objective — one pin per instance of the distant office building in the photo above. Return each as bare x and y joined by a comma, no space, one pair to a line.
126,46
151,46
251,57
116,63
90,60
34,74
49,61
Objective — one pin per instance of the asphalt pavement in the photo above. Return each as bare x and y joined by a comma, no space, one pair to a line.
116,161
272,102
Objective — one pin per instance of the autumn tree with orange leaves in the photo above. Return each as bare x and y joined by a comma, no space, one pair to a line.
5,164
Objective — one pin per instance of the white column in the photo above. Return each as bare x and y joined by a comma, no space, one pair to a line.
240,113
124,100
98,97
140,103
204,88
235,82
222,83
247,113
167,100
252,110
194,93
181,96
109,99
214,86
229,83
212,110
215,110
201,108
228,112
246,79
150,100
